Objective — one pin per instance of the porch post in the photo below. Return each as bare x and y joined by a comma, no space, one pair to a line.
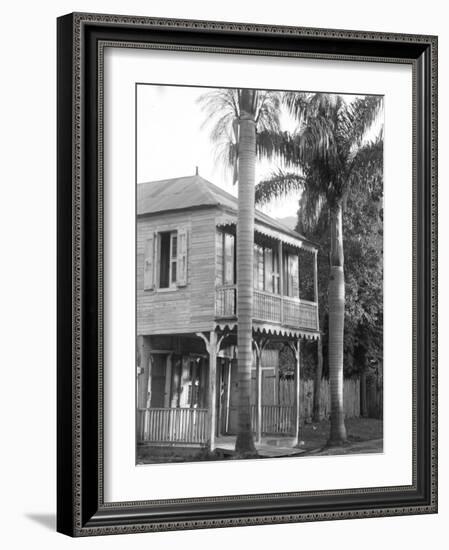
228,394
258,393
297,350
143,359
212,347
212,388
143,363
259,347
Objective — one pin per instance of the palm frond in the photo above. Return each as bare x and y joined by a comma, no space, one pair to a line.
223,108
272,144
362,113
311,208
278,186
366,167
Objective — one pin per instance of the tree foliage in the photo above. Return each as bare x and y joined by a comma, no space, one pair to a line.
363,230
224,106
331,161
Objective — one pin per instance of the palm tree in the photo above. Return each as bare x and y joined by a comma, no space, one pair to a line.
331,156
235,116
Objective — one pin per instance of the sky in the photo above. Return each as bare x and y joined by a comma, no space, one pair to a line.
172,140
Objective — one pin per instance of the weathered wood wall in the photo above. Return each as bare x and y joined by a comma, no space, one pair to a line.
374,397
184,309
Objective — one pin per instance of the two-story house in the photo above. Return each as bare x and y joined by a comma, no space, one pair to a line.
186,314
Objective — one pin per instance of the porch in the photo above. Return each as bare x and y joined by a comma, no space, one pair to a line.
191,426
187,391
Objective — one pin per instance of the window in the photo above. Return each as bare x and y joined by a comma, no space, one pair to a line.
168,242
228,265
271,271
259,268
266,269
291,275
165,260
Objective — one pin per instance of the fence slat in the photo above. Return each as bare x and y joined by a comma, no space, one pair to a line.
351,396
160,425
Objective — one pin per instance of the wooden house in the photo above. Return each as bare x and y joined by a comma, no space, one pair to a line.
186,314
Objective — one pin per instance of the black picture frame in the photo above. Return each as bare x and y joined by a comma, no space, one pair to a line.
81,509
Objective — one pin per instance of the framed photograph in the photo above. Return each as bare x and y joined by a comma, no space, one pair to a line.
247,277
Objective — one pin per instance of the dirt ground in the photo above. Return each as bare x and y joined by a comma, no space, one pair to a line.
359,430
365,435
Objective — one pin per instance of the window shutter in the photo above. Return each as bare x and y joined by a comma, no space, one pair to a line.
182,257
148,265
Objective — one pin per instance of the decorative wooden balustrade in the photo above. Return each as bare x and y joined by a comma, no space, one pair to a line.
174,426
276,419
271,308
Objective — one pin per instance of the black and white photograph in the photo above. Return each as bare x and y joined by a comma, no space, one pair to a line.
259,273
220,283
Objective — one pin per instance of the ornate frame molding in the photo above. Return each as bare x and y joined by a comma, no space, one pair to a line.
81,42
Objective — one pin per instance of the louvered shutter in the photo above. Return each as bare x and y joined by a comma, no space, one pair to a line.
182,257
148,265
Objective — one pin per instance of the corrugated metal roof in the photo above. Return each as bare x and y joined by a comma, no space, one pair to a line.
194,192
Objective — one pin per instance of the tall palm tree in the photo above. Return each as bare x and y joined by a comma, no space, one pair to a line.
331,157
236,116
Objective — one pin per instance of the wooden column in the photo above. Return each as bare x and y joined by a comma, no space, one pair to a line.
143,359
212,346
259,347
297,351
212,388
143,386
228,395
258,393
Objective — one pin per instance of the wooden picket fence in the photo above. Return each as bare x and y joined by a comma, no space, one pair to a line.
177,425
351,396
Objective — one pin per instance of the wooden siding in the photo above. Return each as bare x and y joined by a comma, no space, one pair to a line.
185,309
194,306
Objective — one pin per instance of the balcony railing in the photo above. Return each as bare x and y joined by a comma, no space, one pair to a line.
268,307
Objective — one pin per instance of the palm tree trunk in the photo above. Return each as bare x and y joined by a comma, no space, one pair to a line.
245,249
336,327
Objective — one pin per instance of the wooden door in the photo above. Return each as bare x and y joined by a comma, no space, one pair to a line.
158,373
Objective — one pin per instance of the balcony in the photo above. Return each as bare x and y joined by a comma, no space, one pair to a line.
269,308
